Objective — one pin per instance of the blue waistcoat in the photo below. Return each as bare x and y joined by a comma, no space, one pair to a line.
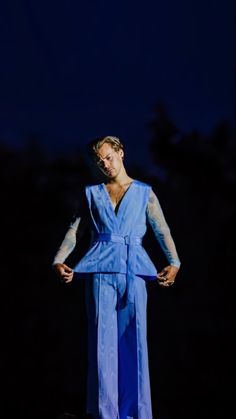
116,245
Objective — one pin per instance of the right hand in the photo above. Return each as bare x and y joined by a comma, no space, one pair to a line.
64,272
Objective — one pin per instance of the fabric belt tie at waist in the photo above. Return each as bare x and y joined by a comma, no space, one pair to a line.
118,238
131,242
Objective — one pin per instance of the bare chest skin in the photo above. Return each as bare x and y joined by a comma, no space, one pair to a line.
116,192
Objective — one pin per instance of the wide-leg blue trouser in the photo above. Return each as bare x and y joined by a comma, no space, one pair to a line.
118,375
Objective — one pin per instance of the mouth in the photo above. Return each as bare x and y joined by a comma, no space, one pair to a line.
109,172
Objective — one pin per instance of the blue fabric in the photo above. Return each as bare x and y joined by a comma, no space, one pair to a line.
118,375
116,262
116,238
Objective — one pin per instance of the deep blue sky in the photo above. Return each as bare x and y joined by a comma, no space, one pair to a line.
73,70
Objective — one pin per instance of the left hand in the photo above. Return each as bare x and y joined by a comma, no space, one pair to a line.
167,276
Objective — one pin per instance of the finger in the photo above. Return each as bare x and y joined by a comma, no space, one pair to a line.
66,280
163,284
161,281
70,272
161,277
166,283
170,283
66,277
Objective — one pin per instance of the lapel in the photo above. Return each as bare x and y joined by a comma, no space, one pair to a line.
119,215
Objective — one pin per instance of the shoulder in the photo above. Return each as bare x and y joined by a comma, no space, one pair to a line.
93,187
144,188
93,190
140,184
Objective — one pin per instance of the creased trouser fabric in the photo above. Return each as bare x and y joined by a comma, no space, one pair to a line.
118,375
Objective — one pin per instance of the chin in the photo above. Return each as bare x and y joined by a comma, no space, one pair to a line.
110,175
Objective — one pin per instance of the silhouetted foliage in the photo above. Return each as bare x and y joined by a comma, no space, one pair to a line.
197,193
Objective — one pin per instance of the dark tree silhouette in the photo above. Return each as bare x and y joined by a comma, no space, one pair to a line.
198,191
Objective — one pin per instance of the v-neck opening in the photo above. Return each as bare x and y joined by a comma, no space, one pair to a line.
117,207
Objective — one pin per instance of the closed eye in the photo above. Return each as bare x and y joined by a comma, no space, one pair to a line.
109,158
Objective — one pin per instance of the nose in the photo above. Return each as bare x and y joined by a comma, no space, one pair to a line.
106,164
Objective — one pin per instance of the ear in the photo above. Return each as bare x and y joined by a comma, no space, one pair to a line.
121,153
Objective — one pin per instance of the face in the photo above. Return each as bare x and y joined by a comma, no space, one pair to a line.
109,161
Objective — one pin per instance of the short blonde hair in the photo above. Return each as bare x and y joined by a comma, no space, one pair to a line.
96,144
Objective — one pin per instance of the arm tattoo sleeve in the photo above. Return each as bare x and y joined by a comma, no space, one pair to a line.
161,229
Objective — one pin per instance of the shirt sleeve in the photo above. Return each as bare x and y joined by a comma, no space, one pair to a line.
68,242
161,229
75,230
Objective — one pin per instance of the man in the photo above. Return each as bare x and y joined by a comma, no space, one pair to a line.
117,268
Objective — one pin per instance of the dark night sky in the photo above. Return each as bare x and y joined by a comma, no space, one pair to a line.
74,70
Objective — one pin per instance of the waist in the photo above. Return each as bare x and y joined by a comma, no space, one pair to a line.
118,238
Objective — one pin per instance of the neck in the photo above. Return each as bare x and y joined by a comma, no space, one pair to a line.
121,179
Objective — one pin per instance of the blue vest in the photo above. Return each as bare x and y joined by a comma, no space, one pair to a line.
116,244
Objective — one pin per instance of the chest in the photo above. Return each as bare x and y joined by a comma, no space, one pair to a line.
129,213
116,194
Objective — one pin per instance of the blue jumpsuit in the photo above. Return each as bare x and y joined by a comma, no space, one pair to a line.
117,267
